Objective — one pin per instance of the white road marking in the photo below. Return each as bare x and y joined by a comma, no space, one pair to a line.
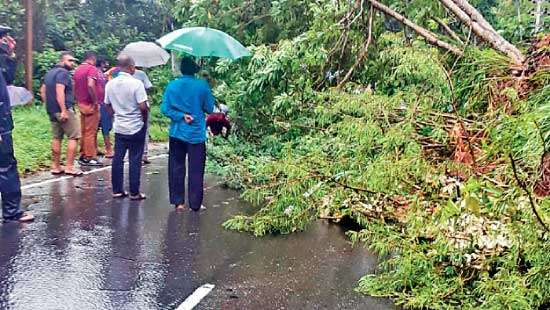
194,299
28,186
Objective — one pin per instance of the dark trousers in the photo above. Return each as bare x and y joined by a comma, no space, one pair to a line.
134,145
179,151
10,186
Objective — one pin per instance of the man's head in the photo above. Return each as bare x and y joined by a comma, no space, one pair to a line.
67,60
7,43
90,58
126,64
188,66
102,63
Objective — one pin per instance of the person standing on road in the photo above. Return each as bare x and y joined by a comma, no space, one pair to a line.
185,102
142,76
125,96
57,94
86,90
106,120
10,185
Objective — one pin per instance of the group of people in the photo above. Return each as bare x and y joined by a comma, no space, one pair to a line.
114,99
61,92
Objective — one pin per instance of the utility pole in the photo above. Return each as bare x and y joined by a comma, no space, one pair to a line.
28,45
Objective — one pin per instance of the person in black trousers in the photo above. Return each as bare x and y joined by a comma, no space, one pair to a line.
125,96
10,185
186,101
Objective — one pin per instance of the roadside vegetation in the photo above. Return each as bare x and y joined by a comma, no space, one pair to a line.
433,137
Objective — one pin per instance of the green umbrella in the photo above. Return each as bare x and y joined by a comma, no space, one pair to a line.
204,42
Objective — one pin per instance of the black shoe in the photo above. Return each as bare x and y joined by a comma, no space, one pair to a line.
90,162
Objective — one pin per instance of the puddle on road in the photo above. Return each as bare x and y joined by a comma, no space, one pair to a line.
87,251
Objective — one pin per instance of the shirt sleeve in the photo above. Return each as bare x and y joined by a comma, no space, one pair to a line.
64,78
140,94
167,107
92,73
9,75
146,82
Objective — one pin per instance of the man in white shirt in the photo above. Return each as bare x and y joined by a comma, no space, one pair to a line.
125,96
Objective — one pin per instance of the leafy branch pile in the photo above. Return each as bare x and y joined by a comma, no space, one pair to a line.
453,233
417,149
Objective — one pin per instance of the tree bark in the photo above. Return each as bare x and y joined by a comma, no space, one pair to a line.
429,36
472,18
448,30
538,15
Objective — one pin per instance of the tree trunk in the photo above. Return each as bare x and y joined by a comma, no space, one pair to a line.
429,36
473,19
538,15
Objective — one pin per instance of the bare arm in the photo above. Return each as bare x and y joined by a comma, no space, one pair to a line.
60,96
144,110
43,93
110,109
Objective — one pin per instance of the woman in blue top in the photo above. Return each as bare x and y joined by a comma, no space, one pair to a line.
186,101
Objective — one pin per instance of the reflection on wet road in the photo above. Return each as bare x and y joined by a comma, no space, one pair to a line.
88,251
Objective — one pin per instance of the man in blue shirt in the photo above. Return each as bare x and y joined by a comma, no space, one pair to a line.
10,186
185,102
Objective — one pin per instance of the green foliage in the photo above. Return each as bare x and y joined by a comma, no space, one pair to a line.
305,152
379,153
32,136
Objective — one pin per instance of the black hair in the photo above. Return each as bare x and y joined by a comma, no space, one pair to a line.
188,66
89,55
66,53
101,60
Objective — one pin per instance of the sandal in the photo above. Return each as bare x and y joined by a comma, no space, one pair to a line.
59,172
26,217
181,207
76,173
120,195
139,196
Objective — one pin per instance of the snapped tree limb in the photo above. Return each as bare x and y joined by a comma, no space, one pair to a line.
448,30
363,52
483,30
429,36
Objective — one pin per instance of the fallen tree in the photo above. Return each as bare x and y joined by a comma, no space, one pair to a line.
471,18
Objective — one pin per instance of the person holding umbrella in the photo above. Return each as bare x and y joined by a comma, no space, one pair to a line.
145,55
186,101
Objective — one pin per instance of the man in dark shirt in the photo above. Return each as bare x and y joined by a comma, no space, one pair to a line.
57,94
10,185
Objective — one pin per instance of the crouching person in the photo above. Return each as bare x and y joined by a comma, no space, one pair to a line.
126,98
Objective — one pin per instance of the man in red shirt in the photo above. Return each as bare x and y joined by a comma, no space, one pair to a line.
86,89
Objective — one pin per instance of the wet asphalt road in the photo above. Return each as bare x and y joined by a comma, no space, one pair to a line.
88,251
